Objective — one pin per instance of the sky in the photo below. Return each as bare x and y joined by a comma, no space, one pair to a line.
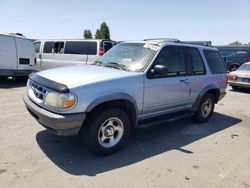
219,21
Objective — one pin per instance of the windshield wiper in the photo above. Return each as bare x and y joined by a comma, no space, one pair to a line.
116,65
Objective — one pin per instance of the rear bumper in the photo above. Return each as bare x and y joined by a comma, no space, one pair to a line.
59,124
240,84
9,72
222,95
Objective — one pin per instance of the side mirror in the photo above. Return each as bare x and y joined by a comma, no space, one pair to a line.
159,70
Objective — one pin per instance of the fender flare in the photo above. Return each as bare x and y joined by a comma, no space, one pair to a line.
112,97
202,93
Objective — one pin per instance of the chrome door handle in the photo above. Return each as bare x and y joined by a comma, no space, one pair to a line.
186,81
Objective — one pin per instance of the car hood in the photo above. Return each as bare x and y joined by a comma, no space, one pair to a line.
83,74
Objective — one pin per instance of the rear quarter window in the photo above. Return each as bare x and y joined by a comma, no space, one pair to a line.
215,62
80,47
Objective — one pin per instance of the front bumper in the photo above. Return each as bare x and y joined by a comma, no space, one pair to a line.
239,84
60,124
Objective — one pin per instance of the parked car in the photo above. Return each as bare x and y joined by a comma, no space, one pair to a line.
135,84
60,52
235,56
240,78
16,55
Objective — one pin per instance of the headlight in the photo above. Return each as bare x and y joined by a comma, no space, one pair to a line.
60,100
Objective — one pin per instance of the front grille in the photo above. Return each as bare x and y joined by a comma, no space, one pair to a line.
38,90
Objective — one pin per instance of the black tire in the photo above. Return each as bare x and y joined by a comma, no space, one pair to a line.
200,116
22,78
235,88
233,68
92,131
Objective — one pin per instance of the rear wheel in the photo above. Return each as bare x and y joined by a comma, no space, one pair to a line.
106,131
205,108
233,68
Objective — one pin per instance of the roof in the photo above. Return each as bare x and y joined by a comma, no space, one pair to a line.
13,34
81,39
162,42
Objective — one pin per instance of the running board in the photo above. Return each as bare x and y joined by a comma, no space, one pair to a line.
147,123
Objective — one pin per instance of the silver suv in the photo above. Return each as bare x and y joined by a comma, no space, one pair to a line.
135,84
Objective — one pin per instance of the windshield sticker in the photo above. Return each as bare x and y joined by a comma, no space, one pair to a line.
151,46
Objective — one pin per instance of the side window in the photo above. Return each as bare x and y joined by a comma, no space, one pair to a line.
92,49
48,47
58,47
227,53
194,59
80,47
172,57
37,46
215,62
241,53
107,46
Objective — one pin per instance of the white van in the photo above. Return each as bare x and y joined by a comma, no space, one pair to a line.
57,53
16,55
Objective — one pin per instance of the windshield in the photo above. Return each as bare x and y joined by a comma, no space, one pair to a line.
129,56
244,67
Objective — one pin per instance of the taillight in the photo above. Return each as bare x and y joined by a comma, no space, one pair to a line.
232,77
101,52
248,60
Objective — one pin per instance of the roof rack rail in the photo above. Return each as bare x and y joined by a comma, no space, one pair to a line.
162,40
202,43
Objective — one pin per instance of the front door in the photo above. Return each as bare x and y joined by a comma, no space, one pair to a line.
170,92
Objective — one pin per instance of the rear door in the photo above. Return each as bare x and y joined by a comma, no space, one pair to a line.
107,45
38,56
25,54
8,55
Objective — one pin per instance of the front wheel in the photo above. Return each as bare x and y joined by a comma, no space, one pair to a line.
106,131
205,108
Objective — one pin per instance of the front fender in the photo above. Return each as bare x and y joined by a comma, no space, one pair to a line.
112,97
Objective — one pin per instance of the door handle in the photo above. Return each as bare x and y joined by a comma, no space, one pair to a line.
186,81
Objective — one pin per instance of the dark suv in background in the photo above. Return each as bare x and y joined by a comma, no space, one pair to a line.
235,56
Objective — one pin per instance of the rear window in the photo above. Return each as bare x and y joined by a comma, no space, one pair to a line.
244,67
215,62
48,47
80,47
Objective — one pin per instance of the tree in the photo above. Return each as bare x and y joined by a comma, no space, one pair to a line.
97,34
235,43
87,34
104,31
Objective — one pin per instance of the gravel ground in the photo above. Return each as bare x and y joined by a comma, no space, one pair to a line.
177,154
